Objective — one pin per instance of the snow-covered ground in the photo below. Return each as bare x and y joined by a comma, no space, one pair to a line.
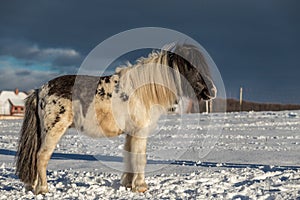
209,156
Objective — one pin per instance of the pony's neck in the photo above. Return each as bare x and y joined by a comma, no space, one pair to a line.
154,94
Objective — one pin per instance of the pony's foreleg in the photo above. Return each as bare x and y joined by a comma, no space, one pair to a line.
135,162
127,176
138,163
52,137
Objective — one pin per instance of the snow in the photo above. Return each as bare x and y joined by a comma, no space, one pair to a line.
248,155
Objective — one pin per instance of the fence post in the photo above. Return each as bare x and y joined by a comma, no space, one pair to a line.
241,98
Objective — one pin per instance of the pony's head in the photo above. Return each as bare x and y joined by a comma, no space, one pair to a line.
192,65
165,75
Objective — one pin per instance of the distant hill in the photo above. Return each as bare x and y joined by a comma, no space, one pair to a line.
233,105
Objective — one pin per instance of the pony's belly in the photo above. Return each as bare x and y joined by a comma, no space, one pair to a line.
97,131
100,123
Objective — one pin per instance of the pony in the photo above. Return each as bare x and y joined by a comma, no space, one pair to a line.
129,102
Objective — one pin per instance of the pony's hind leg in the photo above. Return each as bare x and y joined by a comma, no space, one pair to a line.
54,126
51,139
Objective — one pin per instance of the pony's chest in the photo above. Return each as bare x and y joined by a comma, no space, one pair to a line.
107,119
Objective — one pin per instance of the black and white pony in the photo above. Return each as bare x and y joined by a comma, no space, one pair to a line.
128,102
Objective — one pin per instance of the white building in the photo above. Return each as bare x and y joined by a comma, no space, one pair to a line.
12,102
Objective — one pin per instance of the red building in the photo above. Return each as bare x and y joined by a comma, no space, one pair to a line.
16,107
12,103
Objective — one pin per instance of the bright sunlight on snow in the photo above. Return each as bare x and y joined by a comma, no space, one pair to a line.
255,157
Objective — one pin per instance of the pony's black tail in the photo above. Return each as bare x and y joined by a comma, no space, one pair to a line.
29,141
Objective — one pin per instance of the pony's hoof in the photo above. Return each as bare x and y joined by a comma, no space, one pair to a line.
28,188
41,190
128,185
126,180
140,188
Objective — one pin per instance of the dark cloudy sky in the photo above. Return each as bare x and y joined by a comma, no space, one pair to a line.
254,43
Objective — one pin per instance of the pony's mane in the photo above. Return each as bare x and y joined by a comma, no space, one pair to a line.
151,80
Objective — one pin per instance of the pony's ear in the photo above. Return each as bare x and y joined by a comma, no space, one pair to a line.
169,47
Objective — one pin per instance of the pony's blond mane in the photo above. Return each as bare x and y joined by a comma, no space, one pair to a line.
151,80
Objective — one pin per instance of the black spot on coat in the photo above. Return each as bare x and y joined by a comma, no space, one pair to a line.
62,110
101,92
117,87
124,96
57,118
42,104
107,79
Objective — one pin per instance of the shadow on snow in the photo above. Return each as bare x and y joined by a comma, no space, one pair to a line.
66,156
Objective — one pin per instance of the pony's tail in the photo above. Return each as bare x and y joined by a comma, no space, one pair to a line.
29,141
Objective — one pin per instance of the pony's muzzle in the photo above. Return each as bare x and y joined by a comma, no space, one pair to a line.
209,91
208,94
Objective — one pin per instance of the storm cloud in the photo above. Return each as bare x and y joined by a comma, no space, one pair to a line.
255,44
60,59
24,80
